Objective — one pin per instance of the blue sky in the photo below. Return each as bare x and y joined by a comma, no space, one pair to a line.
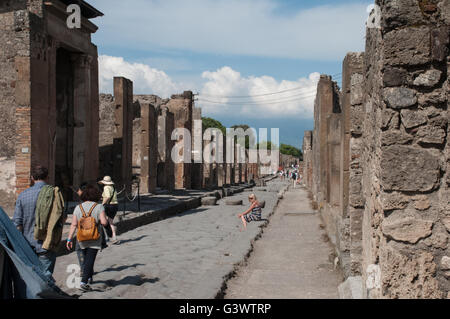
227,48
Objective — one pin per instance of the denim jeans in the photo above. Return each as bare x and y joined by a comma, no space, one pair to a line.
80,256
48,260
88,265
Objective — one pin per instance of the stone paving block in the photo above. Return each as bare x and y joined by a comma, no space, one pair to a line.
209,201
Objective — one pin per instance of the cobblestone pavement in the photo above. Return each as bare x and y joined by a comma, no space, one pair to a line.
186,256
291,260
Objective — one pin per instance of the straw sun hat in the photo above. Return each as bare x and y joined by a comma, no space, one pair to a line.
106,181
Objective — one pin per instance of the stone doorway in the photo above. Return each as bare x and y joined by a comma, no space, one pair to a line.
64,137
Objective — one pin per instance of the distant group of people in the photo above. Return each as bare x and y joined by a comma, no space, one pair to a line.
38,207
292,173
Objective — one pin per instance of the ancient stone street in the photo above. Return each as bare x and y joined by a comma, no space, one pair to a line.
174,134
292,260
187,256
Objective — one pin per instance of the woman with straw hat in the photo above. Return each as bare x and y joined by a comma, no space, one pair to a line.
111,204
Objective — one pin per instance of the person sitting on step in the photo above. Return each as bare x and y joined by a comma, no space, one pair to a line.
253,213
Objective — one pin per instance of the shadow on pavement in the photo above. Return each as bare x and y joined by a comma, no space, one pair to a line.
111,269
132,240
129,280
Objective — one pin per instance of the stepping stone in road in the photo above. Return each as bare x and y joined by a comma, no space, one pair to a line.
209,201
234,202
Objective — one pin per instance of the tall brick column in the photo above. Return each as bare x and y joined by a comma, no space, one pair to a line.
197,149
123,135
165,145
324,105
23,124
83,119
149,148
181,106
307,158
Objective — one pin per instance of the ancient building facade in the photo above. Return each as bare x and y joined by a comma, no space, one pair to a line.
48,96
390,222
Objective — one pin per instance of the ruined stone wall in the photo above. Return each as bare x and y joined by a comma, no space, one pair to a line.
406,152
393,220
197,149
123,133
149,148
326,154
332,169
138,101
351,201
161,143
106,134
181,106
307,159
14,21
166,167
287,161
324,106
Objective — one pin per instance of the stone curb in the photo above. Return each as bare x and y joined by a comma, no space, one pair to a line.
221,293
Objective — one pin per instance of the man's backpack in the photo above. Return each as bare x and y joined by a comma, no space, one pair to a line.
87,226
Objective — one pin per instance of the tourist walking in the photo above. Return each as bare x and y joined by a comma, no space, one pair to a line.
111,204
78,249
253,213
294,178
39,215
86,220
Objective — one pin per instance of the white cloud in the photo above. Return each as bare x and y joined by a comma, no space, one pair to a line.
296,98
237,27
224,92
146,80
